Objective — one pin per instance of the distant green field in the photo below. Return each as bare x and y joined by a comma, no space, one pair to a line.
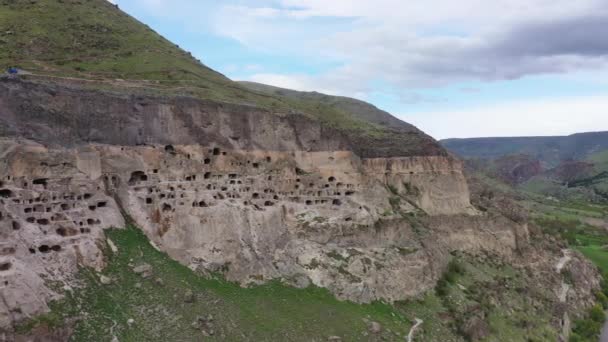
600,159
597,254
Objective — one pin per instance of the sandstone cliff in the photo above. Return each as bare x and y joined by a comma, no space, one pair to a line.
252,183
231,189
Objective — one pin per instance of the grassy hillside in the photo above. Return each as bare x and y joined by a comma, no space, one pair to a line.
173,303
388,135
91,38
75,40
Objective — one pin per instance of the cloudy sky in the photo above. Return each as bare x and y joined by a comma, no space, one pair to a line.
454,68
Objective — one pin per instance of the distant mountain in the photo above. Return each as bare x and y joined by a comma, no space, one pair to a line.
569,167
550,151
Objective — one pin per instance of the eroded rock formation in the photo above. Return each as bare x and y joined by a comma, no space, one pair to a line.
226,188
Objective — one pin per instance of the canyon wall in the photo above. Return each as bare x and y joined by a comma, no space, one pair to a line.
223,188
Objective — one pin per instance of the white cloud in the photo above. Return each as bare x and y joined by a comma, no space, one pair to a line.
413,44
550,116
407,45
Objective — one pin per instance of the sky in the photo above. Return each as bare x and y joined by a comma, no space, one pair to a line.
453,68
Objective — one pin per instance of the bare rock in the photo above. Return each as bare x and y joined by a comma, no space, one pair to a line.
105,280
145,270
476,328
374,327
189,296
113,247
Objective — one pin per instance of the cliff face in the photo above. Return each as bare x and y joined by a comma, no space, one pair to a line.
224,188
64,116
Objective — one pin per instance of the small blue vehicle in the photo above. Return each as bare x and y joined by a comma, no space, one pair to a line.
12,71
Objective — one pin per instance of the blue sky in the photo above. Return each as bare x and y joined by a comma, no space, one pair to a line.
454,68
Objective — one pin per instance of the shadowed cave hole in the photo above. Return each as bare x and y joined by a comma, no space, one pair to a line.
6,193
138,176
41,181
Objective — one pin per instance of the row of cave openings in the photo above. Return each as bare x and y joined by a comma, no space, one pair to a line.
216,151
268,197
141,176
38,211
37,184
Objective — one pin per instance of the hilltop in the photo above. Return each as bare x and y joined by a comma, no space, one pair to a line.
94,45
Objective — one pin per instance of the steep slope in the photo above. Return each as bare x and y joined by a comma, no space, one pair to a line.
250,185
549,150
92,39
396,133
95,41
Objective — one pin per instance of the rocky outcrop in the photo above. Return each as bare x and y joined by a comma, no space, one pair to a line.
224,188
517,169
52,214
71,114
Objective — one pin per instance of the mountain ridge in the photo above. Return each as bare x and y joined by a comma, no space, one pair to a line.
550,150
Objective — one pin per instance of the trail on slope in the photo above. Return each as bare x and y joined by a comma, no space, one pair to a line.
563,260
410,335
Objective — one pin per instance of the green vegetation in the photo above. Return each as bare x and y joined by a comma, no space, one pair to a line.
96,46
484,298
568,222
171,303
549,150
161,312
589,328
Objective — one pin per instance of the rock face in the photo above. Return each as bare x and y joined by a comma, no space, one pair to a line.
224,188
517,169
52,212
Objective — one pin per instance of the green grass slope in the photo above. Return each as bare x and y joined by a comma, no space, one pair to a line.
158,308
382,133
161,312
91,38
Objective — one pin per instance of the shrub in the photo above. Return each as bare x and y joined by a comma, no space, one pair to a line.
602,298
589,329
597,314
453,270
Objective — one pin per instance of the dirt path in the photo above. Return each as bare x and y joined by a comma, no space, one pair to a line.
563,260
410,336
